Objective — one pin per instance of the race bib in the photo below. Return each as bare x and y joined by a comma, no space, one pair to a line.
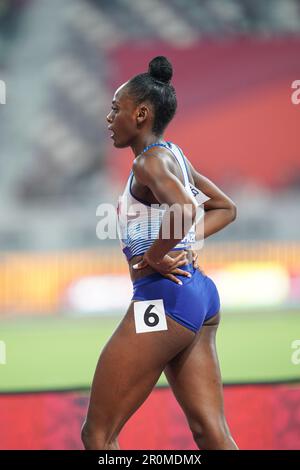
149,315
200,197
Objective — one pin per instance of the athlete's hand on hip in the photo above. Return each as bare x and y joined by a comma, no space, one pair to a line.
167,266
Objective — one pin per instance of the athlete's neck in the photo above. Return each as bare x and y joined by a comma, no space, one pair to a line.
138,146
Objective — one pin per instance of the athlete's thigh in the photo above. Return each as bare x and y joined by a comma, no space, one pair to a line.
128,368
194,375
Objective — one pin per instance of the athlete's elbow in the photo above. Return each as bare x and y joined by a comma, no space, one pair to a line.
233,212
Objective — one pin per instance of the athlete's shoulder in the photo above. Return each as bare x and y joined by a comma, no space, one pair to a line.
149,166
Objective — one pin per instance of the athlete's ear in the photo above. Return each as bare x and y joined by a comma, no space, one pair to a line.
142,114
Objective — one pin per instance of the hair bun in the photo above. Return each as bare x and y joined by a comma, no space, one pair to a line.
160,69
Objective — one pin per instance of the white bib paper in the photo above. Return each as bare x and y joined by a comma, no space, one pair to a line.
149,315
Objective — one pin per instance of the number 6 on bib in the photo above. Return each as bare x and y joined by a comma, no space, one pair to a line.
149,315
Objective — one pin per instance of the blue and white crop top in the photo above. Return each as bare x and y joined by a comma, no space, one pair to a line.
139,222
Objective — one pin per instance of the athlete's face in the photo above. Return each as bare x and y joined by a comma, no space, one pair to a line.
122,118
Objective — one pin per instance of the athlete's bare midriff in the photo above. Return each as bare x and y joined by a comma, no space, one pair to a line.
138,274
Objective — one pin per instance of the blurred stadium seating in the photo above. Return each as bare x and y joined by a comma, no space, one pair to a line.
234,64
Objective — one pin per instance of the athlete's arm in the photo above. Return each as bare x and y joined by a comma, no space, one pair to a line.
152,171
220,210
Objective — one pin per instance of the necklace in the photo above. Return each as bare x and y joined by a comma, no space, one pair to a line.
155,144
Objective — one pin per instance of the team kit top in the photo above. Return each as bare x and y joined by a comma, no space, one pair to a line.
139,222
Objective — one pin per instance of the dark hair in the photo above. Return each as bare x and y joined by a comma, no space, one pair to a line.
154,86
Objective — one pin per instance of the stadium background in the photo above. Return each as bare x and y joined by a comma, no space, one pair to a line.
62,290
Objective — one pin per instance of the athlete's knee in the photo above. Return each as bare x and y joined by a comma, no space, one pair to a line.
98,438
213,434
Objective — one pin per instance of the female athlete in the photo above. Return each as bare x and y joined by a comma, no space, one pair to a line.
171,323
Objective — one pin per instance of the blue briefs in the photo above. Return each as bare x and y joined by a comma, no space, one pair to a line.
190,304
